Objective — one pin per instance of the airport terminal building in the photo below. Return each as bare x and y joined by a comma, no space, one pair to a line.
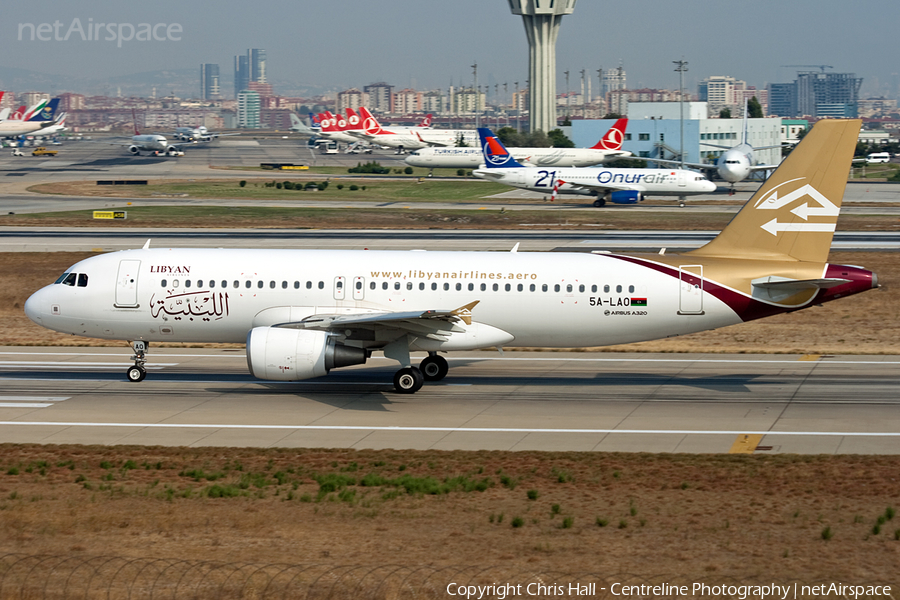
654,130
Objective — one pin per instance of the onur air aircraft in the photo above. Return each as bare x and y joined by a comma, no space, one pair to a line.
622,186
608,148
303,313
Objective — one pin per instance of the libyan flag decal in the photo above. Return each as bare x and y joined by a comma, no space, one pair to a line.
639,302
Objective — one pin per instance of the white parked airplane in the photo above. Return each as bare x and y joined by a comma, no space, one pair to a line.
305,312
608,148
410,138
38,117
735,164
154,143
622,186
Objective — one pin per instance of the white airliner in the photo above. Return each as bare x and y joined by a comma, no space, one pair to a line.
38,117
154,143
736,163
622,186
410,138
608,148
305,312
197,134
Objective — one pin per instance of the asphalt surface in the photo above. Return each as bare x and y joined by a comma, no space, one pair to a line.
517,401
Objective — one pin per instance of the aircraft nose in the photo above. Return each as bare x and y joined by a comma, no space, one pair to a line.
36,306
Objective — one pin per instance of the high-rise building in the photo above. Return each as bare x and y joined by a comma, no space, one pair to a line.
248,109
816,94
612,80
241,73
257,60
352,98
381,97
209,82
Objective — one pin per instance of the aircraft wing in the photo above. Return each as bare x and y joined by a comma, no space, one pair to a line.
763,167
433,324
604,187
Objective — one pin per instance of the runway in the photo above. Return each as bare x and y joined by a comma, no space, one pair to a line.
515,401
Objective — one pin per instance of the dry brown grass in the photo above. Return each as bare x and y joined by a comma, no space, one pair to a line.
865,324
711,516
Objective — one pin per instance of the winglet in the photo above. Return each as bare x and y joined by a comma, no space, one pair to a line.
147,245
464,313
515,248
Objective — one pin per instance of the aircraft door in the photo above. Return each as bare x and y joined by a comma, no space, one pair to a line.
359,288
690,286
126,284
339,284
682,178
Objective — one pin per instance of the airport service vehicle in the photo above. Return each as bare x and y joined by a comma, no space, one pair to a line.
621,186
878,157
303,313
17,152
608,148
42,151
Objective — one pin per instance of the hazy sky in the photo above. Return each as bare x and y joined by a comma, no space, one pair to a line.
349,43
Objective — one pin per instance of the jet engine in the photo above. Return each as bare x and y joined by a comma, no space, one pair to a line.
134,149
172,151
626,197
282,354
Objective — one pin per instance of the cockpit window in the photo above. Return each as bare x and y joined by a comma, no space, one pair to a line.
82,280
67,279
62,277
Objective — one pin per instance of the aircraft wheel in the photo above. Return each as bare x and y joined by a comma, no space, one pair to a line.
434,368
136,373
408,380
599,202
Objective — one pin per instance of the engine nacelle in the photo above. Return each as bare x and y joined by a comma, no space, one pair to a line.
134,149
626,197
172,151
282,354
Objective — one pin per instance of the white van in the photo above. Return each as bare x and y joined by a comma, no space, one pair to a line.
878,157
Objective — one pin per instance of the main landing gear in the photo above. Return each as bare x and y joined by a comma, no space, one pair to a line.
138,372
409,380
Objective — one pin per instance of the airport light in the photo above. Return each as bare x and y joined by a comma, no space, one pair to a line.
682,67
542,28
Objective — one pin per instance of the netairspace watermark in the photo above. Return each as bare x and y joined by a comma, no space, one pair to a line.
95,32
795,591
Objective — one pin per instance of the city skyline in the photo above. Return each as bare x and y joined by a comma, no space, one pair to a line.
343,45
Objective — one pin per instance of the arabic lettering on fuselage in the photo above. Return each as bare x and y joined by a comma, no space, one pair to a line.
206,305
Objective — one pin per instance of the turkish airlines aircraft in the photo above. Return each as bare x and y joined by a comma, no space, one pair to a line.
608,148
622,186
338,128
410,138
305,312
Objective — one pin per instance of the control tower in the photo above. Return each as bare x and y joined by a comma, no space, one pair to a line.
542,19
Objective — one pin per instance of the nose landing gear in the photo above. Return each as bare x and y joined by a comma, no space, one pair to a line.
138,372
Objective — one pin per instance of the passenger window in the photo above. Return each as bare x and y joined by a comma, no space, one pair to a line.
593,288
296,285
569,288
483,287
532,287
630,289
309,285
433,287
359,285
618,289
248,283
340,284
544,288
409,285
236,284
606,288
458,287
520,287
199,283
446,286
82,280
471,287
187,283
371,285
581,288
396,285
556,288
421,286
284,285
271,285
496,287
163,283
212,283
508,287
321,285
174,283
384,285
259,284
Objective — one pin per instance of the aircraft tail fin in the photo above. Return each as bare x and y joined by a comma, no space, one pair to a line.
19,114
794,213
34,110
613,138
370,124
496,156
134,122
426,120
353,121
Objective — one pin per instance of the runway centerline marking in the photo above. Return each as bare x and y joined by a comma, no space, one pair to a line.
448,429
